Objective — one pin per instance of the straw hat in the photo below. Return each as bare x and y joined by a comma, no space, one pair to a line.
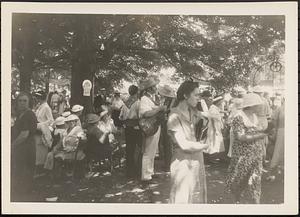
66,114
71,118
238,103
251,99
92,118
102,114
149,82
257,89
77,108
166,91
59,121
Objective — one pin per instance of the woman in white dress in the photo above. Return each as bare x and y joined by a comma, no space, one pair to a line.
43,138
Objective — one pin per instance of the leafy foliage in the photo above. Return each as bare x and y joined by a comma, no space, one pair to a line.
223,49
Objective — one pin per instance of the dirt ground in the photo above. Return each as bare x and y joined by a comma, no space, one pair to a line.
106,187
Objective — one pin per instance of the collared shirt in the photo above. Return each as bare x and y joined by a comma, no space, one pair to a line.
146,104
178,122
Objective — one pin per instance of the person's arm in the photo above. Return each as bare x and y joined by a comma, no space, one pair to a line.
21,138
186,145
250,138
153,112
239,132
146,110
177,136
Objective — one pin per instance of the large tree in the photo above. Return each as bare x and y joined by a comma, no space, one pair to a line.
110,48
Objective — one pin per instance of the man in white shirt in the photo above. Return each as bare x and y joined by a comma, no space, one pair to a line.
148,109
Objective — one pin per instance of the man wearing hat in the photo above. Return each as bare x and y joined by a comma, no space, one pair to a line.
167,98
148,108
77,110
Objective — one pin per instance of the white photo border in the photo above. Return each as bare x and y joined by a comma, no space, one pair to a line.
288,9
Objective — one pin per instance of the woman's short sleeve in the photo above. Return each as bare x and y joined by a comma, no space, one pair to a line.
174,123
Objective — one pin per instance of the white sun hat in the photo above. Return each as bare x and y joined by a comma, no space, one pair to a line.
71,118
66,114
59,121
251,99
77,108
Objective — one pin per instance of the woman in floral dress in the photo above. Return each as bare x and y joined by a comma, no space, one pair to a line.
245,169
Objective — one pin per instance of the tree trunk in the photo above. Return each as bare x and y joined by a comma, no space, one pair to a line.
83,62
28,49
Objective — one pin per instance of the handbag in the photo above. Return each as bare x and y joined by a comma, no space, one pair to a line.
149,126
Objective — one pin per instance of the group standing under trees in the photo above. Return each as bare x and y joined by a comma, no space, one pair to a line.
108,49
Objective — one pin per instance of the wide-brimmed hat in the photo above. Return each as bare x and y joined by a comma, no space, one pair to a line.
251,99
149,82
238,103
59,121
102,114
71,118
92,118
217,99
206,93
77,108
257,89
166,91
66,114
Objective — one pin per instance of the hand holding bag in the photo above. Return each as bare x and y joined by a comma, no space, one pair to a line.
149,126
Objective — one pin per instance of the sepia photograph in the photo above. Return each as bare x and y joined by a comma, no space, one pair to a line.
114,105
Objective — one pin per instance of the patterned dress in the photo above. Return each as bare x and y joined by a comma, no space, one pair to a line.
245,169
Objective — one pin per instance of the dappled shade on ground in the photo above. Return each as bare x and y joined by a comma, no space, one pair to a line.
106,187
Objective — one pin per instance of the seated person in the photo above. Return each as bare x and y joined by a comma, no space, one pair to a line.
106,124
70,140
59,129
97,139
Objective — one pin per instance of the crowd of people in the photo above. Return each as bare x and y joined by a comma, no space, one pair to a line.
186,128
